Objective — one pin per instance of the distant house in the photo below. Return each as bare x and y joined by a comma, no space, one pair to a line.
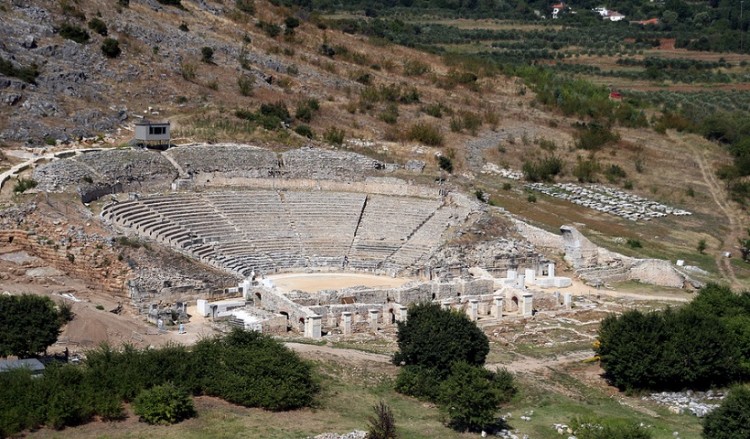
152,134
613,16
32,364
651,21
557,9
615,96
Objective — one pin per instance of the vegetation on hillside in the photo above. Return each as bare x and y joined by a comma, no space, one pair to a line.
442,353
701,345
29,324
245,368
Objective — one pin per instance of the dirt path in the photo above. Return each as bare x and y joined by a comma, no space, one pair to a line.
719,195
522,364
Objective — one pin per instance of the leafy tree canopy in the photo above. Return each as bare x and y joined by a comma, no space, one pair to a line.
29,324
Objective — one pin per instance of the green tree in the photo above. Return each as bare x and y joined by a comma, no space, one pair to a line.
29,325
382,423
207,55
111,48
436,338
702,246
732,419
471,396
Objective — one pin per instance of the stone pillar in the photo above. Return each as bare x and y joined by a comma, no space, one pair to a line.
498,307
331,320
511,274
446,304
527,305
551,270
402,313
557,297
246,286
521,282
530,275
346,322
373,319
473,309
313,327
568,300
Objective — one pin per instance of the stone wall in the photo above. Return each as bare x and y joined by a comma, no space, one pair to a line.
84,262
388,186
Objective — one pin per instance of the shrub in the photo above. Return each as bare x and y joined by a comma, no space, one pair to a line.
111,48
634,243
187,70
245,84
382,423
594,136
304,130
246,6
123,3
544,169
291,22
271,29
614,173
702,246
531,198
419,381
732,419
334,136
24,184
415,68
175,3
445,163
164,404
425,133
74,33
207,55
97,25
586,170
26,74
183,27
471,396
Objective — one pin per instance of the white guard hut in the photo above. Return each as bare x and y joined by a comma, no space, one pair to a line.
152,134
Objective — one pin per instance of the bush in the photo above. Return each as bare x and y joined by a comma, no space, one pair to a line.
187,70
544,169
175,3
26,74
164,404
24,184
305,131
271,29
74,33
732,419
594,136
111,48
245,84
634,243
246,6
586,170
334,136
425,133
445,163
415,68
382,423
97,25
419,381
207,55
471,396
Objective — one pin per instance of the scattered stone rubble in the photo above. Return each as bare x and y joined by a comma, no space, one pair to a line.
356,434
491,168
608,200
698,404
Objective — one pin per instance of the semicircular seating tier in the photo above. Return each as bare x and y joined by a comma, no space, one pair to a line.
272,231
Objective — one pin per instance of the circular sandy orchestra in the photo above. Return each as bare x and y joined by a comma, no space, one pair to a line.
322,241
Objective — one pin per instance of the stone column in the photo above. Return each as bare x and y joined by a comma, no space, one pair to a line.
557,297
473,309
346,322
446,304
551,270
511,274
530,275
528,305
313,327
402,313
498,307
521,282
568,300
373,315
